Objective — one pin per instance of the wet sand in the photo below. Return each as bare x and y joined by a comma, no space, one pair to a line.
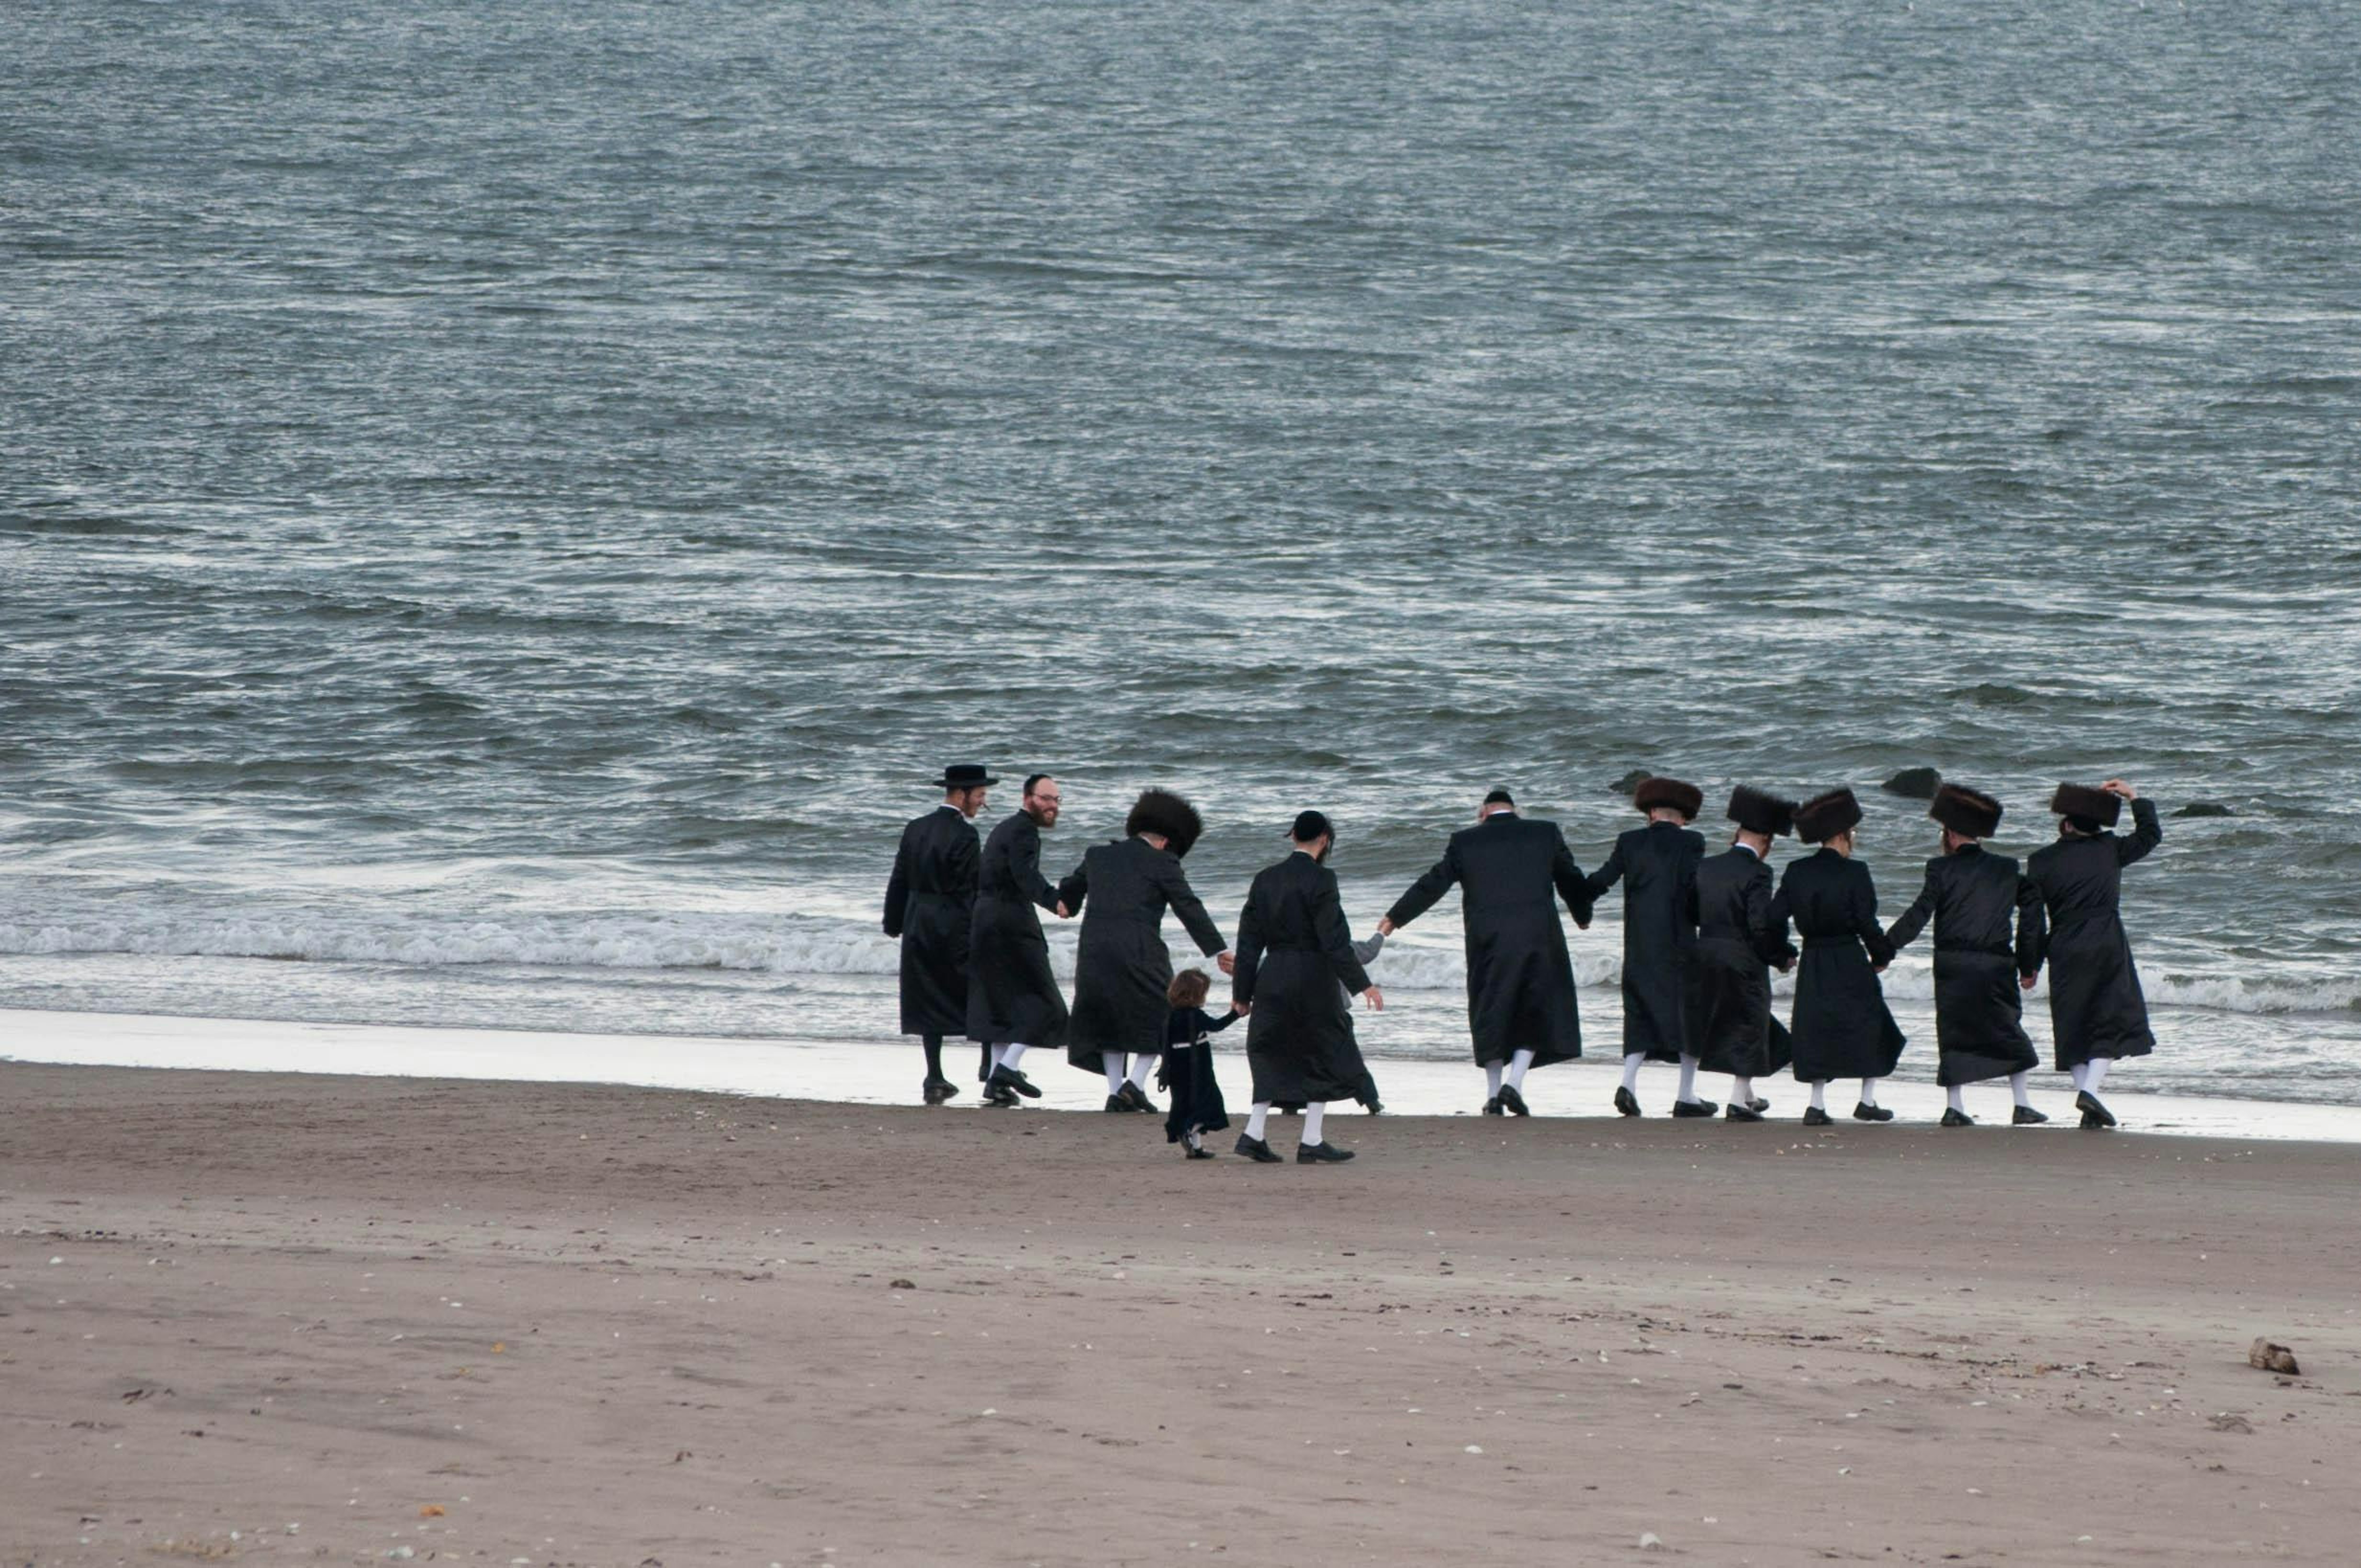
303,1319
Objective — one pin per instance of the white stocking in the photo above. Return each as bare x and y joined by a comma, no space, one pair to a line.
2095,1074
1742,1090
1113,1062
1313,1115
1688,1080
2016,1086
2078,1072
1958,1103
1492,1078
1820,1095
1010,1055
1140,1067
1632,1068
1517,1065
1869,1092
1260,1114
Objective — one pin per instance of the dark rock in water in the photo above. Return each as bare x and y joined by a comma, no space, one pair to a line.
1632,779
2204,808
1914,783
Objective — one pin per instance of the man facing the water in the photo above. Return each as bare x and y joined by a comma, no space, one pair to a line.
1012,998
928,904
1520,1003
1657,866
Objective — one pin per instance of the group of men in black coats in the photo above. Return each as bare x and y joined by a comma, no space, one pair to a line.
1701,936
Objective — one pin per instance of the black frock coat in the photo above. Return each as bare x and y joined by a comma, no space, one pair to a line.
928,900
1842,1027
1012,997
1987,933
1729,1000
1295,965
1122,966
1520,978
2096,1007
1657,866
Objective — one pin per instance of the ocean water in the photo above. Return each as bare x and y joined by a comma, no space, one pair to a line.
502,509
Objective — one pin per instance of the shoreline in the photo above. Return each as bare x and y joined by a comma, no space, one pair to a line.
886,1073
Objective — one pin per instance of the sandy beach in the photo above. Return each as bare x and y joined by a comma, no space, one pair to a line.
268,1316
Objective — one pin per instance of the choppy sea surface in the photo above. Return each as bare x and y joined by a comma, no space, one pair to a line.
503,509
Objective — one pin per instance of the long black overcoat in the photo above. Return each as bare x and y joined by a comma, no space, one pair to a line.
1123,966
1842,1027
1520,976
1295,965
928,904
1987,932
2096,1007
1012,997
1657,866
1728,1007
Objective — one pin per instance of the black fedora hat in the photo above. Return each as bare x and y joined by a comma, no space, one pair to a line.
965,776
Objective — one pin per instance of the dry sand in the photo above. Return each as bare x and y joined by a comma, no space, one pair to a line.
289,1319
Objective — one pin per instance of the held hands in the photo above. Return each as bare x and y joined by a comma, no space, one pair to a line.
1063,912
2117,786
1228,963
1241,1008
1385,928
2024,982
1374,998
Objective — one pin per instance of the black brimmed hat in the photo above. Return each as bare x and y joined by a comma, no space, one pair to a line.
1824,817
2091,804
1969,813
1161,811
1759,812
966,775
1685,798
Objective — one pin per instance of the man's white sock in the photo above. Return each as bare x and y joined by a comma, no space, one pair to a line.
1010,1055
1140,1067
1869,1092
1256,1119
2016,1086
1113,1062
1492,1078
1957,1101
2078,1072
1191,1139
1315,1114
1632,1068
1688,1078
1742,1090
1517,1065
2095,1074
1820,1095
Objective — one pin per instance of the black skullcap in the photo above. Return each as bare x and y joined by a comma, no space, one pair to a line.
1499,797
1311,824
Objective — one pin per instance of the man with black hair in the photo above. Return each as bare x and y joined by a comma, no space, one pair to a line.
928,902
1521,1000
1013,1003
2097,1011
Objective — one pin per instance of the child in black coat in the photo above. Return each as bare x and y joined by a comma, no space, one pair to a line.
1188,1072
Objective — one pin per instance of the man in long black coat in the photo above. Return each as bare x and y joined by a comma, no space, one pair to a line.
1122,967
1013,1003
1657,866
1840,1026
1988,929
1728,1008
1520,1003
928,902
1295,966
2097,1011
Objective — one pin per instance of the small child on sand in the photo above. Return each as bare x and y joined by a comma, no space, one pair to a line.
1188,1072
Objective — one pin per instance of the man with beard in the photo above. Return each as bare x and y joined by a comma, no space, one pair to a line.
1122,968
927,900
1657,865
2098,1015
1729,1001
1012,998
1975,898
1521,1002
1294,950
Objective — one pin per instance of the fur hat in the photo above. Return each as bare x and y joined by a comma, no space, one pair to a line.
1758,812
1161,811
2092,804
1685,798
1971,814
1824,817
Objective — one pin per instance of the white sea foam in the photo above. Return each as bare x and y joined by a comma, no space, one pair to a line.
791,945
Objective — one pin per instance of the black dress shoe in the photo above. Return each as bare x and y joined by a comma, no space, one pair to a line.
1626,1102
1000,1099
1956,1119
1758,1105
1321,1154
1118,1103
1816,1117
1738,1113
2088,1104
1198,1153
1376,1107
2025,1116
1513,1103
1863,1111
1257,1151
2093,1125
1008,1078
1492,1107
1137,1098
1693,1108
